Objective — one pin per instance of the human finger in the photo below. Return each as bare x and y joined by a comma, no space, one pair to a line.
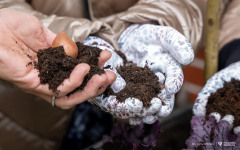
167,65
175,43
155,106
49,35
75,79
167,106
105,55
68,85
118,84
111,77
89,91
162,36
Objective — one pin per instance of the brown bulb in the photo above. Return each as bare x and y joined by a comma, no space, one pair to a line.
69,46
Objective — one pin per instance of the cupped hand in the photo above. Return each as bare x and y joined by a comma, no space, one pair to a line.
163,49
212,85
21,36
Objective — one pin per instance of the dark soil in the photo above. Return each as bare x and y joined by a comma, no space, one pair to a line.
226,101
54,66
141,83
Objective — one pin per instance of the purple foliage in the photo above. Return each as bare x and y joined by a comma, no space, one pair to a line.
141,137
209,134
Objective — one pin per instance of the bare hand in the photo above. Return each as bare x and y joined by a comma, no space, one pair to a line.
21,36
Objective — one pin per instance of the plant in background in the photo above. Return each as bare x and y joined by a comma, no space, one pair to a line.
207,133
125,136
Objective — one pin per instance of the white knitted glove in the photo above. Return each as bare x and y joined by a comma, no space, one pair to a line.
213,84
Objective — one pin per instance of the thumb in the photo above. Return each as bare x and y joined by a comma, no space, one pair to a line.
49,35
176,44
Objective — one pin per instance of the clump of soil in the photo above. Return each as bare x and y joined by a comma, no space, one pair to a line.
226,101
54,66
141,83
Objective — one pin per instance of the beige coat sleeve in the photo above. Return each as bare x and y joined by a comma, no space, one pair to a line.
229,28
186,16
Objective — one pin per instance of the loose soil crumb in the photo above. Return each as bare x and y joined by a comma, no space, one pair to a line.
226,101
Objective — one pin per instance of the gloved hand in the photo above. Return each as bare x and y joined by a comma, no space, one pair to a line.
164,49
213,84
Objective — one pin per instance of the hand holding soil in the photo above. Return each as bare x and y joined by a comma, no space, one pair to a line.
56,65
216,117
157,51
220,97
20,42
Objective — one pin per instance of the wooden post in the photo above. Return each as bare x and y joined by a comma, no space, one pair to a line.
212,28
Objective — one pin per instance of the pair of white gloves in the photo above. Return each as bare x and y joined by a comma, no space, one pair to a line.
164,49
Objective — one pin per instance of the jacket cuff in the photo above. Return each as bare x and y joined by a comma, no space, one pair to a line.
229,54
